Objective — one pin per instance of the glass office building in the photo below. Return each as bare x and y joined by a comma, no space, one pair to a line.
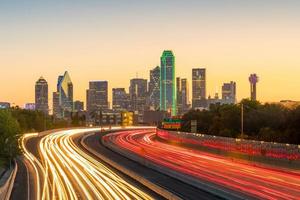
167,83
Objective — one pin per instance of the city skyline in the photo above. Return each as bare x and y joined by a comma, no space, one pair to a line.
226,39
160,99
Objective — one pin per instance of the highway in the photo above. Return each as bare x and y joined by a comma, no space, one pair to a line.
62,170
173,185
235,177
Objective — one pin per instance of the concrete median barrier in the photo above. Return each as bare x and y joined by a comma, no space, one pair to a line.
7,183
156,188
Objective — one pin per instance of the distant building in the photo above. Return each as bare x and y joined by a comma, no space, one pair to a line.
154,88
229,92
179,95
78,106
111,118
138,94
220,101
56,106
4,105
182,88
214,100
120,99
185,95
154,117
96,98
41,95
167,83
199,88
126,118
105,117
63,97
253,79
30,106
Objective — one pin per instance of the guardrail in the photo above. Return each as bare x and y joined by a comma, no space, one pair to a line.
272,153
7,183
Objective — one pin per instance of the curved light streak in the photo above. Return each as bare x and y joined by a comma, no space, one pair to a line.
261,182
67,172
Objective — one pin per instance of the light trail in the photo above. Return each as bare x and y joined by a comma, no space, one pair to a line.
67,172
33,161
258,182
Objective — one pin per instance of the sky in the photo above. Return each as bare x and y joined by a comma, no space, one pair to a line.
118,40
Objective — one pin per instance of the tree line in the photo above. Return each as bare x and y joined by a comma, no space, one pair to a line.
268,122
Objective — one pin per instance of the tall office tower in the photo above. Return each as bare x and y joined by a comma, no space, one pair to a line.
56,108
167,83
97,97
63,106
120,99
41,95
78,106
138,94
154,88
229,92
253,79
179,95
199,87
185,94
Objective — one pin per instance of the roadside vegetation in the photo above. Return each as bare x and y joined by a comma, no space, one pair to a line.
267,122
15,121
9,131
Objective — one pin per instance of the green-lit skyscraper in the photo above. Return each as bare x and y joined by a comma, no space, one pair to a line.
168,83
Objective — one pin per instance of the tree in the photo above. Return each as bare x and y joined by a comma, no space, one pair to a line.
268,122
9,130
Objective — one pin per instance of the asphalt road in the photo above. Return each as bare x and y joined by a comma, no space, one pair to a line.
59,169
245,180
177,187
20,189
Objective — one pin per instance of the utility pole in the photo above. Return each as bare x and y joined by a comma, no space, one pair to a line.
242,121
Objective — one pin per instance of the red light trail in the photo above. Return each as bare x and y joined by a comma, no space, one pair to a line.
259,182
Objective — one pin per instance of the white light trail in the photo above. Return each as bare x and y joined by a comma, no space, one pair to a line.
67,172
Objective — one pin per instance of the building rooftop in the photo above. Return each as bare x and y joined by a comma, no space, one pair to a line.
167,53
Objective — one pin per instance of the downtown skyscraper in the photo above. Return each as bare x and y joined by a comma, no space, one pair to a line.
120,99
63,97
97,96
199,87
41,95
167,83
154,88
182,95
185,94
96,101
138,94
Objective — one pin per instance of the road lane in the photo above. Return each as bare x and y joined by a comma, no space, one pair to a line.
258,182
173,185
64,171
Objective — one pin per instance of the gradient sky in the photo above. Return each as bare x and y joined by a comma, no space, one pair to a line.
115,40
